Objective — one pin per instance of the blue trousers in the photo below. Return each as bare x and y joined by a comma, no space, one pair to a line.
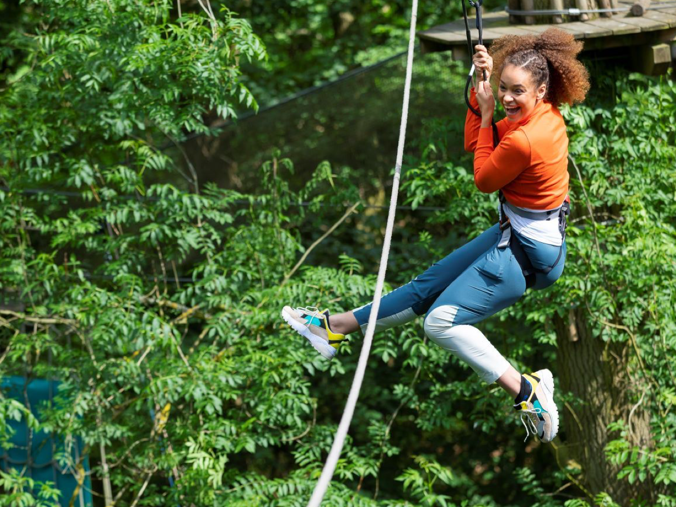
472,283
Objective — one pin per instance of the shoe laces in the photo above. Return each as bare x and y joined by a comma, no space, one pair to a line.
312,311
528,423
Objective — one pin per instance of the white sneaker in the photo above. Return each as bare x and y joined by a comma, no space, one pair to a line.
539,414
314,325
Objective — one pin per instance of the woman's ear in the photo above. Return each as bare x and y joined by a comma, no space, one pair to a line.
541,91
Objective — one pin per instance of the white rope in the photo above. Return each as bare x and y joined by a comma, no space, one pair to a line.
336,448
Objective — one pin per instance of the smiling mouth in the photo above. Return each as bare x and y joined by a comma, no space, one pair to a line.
511,110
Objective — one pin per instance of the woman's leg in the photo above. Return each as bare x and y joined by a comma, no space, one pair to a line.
549,260
344,323
488,284
325,332
415,298
493,282
510,381
542,256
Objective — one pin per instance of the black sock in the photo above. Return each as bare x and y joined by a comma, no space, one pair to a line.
524,393
328,324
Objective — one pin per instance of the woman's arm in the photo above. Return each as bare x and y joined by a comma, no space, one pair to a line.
473,125
495,168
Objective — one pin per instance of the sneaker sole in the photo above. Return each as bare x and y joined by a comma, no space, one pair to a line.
317,342
547,384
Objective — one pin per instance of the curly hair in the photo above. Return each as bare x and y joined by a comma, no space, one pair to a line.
551,58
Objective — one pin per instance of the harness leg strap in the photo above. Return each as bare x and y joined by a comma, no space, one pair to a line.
506,237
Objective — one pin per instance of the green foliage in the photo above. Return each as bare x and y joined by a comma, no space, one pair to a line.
21,491
633,233
532,487
601,500
313,42
124,78
155,299
13,410
420,482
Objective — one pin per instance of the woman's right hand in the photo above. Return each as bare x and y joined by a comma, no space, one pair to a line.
484,96
482,61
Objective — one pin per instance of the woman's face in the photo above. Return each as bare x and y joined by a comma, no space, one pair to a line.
517,92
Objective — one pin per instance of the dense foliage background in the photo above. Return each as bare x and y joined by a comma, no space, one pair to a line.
153,293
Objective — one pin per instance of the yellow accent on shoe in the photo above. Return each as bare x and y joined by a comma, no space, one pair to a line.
539,413
534,382
313,325
334,339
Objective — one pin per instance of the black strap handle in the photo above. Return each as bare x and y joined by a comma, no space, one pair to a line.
477,4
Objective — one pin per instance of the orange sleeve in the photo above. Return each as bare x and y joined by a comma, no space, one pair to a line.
473,125
495,168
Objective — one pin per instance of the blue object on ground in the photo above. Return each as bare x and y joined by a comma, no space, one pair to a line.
33,453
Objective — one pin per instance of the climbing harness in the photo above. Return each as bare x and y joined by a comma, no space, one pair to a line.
508,239
341,433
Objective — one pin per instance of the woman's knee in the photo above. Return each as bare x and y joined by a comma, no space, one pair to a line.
439,322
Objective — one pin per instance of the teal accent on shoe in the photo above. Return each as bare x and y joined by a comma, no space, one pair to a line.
309,319
537,405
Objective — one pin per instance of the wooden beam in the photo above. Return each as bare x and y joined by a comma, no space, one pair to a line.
557,5
639,7
646,25
528,5
605,4
622,30
652,60
583,6
615,25
662,16
591,31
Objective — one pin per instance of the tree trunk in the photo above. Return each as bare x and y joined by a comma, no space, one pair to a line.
597,374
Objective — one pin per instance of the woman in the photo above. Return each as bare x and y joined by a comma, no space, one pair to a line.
526,249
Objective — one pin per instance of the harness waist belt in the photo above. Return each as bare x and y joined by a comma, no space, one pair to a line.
533,215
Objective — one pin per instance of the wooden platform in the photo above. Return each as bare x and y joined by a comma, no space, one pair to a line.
622,30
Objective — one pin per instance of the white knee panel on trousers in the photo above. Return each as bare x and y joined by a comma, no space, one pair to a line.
466,342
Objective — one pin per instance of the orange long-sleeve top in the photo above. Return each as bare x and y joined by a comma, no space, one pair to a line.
530,163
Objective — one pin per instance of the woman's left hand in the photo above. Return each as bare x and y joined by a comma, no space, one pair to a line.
484,95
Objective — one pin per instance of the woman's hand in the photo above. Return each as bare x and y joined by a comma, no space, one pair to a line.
482,62
484,95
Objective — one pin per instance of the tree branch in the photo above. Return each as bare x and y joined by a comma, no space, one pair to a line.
324,236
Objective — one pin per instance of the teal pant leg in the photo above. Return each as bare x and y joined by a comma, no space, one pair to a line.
544,257
493,282
478,278
416,297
